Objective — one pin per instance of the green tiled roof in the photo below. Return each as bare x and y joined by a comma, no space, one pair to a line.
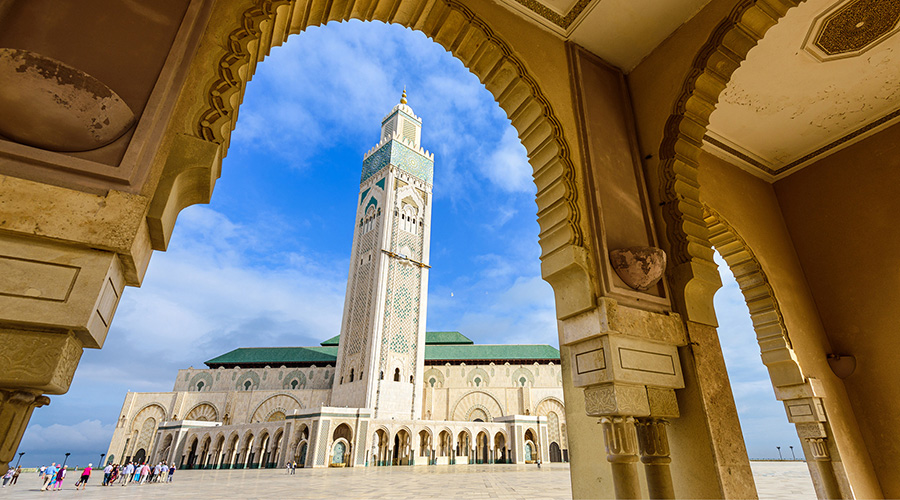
275,356
431,338
499,352
434,353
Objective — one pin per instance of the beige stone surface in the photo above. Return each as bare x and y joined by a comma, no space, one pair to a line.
775,480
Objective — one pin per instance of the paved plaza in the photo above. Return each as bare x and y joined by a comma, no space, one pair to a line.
776,481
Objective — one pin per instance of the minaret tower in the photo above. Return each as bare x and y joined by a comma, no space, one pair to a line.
381,353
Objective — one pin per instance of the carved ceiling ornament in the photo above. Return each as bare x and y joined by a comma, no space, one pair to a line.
852,27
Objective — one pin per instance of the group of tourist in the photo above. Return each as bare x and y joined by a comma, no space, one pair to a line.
132,472
11,476
139,473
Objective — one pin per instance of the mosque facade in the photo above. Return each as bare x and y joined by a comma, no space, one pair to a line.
382,392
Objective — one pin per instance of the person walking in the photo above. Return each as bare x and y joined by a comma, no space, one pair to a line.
7,477
60,475
145,473
16,474
171,473
85,475
49,476
129,473
107,473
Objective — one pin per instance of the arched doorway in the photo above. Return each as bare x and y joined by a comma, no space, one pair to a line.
141,456
425,447
555,452
463,448
530,448
402,448
380,448
500,448
482,448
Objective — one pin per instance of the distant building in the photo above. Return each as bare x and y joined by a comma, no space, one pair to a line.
383,391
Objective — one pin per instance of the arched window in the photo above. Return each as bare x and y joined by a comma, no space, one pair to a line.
408,219
477,381
247,385
351,374
432,381
522,381
294,384
199,386
342,381
381,376
410,379
396,375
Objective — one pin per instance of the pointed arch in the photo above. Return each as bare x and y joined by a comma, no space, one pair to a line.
233,47
679,153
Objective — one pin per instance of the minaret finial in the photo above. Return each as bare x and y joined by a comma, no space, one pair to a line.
403,97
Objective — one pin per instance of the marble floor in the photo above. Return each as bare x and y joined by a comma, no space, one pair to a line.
776,481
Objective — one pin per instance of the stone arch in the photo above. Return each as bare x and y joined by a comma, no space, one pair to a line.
437,375
679,153
768,322
144,425
151,410
277,403
476,399
201,378
555,411
241,384
478,373
210,114
294,376
775,347
204,411
519,373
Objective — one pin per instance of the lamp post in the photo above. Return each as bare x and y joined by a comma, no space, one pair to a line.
20,459
101,459
66,460
792,453
779,453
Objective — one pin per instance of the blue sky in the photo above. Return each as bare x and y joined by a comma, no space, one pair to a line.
265,264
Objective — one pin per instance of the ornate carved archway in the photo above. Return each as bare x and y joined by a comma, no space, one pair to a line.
233,49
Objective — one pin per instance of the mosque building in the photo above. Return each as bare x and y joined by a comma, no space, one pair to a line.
384,391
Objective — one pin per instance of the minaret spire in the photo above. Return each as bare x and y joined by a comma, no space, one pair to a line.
403,97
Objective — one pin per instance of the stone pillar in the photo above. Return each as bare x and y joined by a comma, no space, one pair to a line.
15,411
821,459
55,299
621,451
624,379
654,445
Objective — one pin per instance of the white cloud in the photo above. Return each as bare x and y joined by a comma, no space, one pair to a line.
507,166
44,444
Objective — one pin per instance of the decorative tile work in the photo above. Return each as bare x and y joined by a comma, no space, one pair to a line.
361,435
400,155
324,438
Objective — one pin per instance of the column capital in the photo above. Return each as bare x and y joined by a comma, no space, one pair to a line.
653,440
621,439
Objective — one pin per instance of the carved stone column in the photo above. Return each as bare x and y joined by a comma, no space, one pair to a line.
55,299
15,411
805,408
821,459
654,445
621,451
627,378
